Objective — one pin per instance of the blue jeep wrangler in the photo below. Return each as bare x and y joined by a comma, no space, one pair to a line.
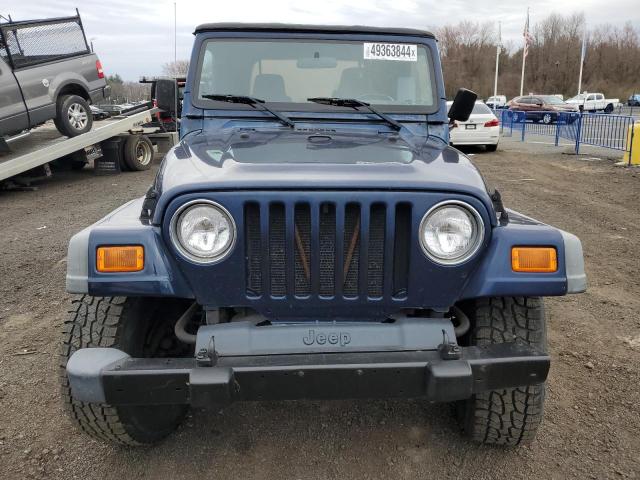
313,236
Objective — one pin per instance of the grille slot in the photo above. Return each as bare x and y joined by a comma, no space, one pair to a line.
252,245
277,250
375,264
304,249
327,254
351,250
402,238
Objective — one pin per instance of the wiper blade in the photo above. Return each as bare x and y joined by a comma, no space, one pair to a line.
254,102
354,103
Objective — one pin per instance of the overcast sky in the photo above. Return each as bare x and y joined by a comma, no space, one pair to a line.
135,37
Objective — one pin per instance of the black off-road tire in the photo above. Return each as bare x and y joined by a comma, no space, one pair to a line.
132,325
65,107
491,148
138,153
77,160
509,416
77,165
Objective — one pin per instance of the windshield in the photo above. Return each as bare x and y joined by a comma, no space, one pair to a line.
552,100
291,71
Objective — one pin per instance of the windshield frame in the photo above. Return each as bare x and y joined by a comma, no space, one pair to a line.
427,43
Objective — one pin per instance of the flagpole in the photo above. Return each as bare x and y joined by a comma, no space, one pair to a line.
582,54
524,56
495,81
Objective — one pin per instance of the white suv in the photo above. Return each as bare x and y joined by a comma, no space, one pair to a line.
498,101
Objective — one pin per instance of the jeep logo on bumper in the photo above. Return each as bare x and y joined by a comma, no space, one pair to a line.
331,338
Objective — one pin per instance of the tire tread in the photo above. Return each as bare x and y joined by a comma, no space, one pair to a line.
93,322
509,416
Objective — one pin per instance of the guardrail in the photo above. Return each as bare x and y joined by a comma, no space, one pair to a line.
595,129
633,111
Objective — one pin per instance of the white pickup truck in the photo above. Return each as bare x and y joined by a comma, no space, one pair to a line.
594,102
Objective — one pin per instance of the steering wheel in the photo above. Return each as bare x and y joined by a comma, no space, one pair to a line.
372,97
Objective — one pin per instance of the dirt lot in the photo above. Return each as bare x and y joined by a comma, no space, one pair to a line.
592,424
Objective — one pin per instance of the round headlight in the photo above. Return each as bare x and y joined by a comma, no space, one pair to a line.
451,232
203,231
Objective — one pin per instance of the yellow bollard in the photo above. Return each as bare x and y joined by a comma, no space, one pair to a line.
633,142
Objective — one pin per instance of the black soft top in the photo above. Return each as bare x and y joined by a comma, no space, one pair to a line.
296,28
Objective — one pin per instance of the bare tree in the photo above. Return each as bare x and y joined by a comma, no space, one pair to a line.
122,92
612,62
175,69
468,50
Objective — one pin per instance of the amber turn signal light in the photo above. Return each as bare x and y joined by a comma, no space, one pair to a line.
120,258
534,259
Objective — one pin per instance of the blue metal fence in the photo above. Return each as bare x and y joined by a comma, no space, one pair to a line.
599,130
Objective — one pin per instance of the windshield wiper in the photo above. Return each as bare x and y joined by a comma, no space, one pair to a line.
353,103
254,102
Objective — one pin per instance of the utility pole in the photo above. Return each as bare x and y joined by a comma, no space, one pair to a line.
175,33
582,55
525,51
498,48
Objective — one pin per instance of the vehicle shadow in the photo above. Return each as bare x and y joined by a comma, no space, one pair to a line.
313,439
473,149
63,176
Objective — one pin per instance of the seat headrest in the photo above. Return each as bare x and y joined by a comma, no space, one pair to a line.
352,83
270,87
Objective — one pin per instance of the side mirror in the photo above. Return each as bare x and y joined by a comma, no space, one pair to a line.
165,94
462,105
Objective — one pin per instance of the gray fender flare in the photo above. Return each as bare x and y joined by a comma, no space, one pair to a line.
574,263
78,263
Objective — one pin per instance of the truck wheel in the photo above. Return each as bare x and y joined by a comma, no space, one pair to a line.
77,160
138,327
509,416
491,148
138,152
608,108
73,116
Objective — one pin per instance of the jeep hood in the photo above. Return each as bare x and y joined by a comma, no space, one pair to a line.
298,160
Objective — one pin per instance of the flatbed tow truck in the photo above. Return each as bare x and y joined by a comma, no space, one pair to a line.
120,143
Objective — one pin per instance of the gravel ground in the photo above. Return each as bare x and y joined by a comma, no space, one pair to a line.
592,423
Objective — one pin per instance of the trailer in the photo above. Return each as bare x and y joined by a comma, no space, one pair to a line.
116,144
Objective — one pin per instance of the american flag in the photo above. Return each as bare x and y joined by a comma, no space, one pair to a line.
528,39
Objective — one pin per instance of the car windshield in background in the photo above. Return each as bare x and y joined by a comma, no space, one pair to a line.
579,98
293,71
552,100
480,109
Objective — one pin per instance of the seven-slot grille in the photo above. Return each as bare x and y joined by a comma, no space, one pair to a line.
327,249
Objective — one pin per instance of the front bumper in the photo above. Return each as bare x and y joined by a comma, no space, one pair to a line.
105,375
